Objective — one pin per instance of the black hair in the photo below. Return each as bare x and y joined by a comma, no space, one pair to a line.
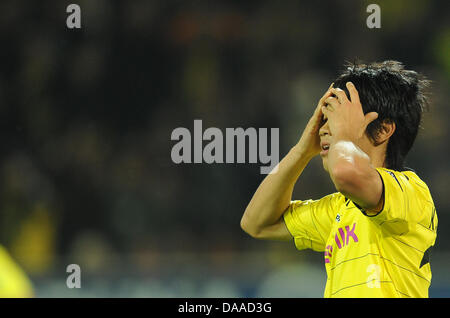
397,95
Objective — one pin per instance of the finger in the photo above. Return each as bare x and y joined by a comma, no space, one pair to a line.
317,116
318,111
370,117
327,94
332,102
329,88
354,95
340,94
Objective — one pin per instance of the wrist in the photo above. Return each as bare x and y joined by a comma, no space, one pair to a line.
346,137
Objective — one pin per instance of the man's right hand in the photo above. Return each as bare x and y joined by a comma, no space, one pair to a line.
309,143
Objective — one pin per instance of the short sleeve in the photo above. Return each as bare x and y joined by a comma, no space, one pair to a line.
310,221
400,198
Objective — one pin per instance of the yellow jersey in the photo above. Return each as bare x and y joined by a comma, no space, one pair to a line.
14,283
386,255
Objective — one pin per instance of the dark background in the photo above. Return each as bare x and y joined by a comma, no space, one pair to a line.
86,117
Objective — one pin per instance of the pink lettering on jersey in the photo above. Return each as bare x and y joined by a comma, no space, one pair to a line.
338,243
341,232
328,255
341,240
351,233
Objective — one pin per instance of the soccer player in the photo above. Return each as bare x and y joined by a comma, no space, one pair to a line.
377,230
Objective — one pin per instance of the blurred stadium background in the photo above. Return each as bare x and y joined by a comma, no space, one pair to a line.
86,116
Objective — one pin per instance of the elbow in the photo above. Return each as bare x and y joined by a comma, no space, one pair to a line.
248,227
343,176
243,224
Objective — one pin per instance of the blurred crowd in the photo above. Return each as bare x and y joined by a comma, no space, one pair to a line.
86,117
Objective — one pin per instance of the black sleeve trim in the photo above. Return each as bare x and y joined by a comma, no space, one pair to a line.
382,195
393,175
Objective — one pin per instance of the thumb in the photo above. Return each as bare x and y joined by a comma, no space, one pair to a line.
370,117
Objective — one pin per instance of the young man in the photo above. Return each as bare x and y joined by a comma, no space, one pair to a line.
377,230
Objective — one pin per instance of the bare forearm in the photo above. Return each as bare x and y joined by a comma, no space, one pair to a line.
353,175
274,194
262,218
343,157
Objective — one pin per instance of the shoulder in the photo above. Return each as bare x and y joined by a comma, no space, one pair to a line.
332,203
325,207
335,200
332,199
407,181
415,180
406,191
